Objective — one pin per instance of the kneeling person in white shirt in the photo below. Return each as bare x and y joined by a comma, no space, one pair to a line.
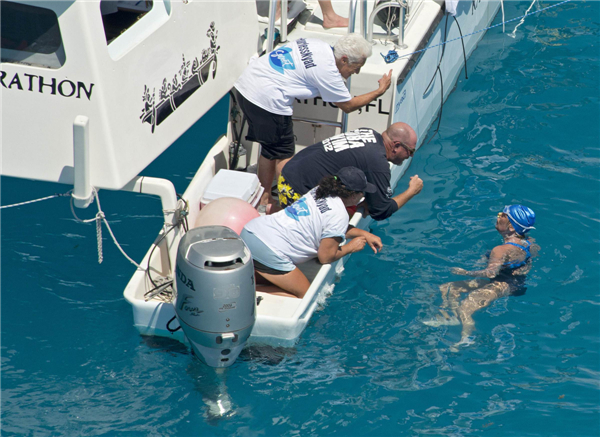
313,227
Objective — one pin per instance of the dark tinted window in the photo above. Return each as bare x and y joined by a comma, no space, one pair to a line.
30,35
117,17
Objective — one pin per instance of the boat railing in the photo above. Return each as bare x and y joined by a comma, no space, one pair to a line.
403,9
366,29
351,26
271,31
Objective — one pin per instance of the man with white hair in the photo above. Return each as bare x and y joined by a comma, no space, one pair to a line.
302,69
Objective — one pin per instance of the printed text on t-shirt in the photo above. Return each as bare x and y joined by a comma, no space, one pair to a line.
349,140
321,203
305,54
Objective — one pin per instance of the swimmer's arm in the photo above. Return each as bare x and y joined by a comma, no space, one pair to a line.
372,240
491,271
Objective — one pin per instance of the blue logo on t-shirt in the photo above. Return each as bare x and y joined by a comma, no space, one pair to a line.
281,59
297,209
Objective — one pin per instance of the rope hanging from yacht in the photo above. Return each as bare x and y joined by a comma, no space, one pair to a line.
438,70
101,217
162,286
68,193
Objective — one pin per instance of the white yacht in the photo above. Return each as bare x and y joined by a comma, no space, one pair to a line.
93,91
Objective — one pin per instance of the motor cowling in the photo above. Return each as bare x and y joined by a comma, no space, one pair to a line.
216,296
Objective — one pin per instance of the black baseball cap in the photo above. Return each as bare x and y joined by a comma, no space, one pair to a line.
355,180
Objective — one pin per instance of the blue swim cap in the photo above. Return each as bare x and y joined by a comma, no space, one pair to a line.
520,217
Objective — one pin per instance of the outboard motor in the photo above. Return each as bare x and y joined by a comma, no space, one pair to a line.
216,297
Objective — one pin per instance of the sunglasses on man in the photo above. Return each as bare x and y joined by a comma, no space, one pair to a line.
410,151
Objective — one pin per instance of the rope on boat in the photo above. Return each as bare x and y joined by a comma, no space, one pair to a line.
99,240
101,217
68,193
488,28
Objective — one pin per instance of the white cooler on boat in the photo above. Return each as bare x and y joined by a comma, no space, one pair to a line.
231,183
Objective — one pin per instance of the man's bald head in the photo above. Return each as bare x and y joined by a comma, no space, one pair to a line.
403,132
401,142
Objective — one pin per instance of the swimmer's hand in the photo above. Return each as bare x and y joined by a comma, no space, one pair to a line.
459,271
374,242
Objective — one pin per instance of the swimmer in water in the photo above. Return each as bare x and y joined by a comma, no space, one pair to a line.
504,275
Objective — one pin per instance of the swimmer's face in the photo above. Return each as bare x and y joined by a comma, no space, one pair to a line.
502,222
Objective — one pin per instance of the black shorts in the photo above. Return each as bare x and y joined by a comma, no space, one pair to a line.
260,267
275,133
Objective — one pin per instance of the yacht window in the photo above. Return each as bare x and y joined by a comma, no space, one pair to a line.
30,35
118,16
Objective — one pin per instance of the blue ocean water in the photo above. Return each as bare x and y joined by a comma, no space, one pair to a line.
522,129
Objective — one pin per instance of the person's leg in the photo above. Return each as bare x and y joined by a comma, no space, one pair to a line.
292,284
263,129
266,174
275,154
330,18
477,300
268,199
451,291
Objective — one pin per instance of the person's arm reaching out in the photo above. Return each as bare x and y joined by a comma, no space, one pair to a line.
359,101
372,240
497,258
330,249
414,187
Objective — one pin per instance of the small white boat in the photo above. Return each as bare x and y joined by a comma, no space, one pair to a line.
119,97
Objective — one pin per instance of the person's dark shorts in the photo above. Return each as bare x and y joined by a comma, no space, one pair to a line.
260,267
516,283
275,133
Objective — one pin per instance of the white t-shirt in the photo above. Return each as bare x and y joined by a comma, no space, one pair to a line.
296,232
302,69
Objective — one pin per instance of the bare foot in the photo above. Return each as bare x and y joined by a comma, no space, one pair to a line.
334,20
464,342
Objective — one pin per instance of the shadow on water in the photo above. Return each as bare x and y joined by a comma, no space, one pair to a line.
266,355
212,383
208,382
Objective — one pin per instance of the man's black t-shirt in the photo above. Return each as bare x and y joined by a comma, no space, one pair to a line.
362,148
